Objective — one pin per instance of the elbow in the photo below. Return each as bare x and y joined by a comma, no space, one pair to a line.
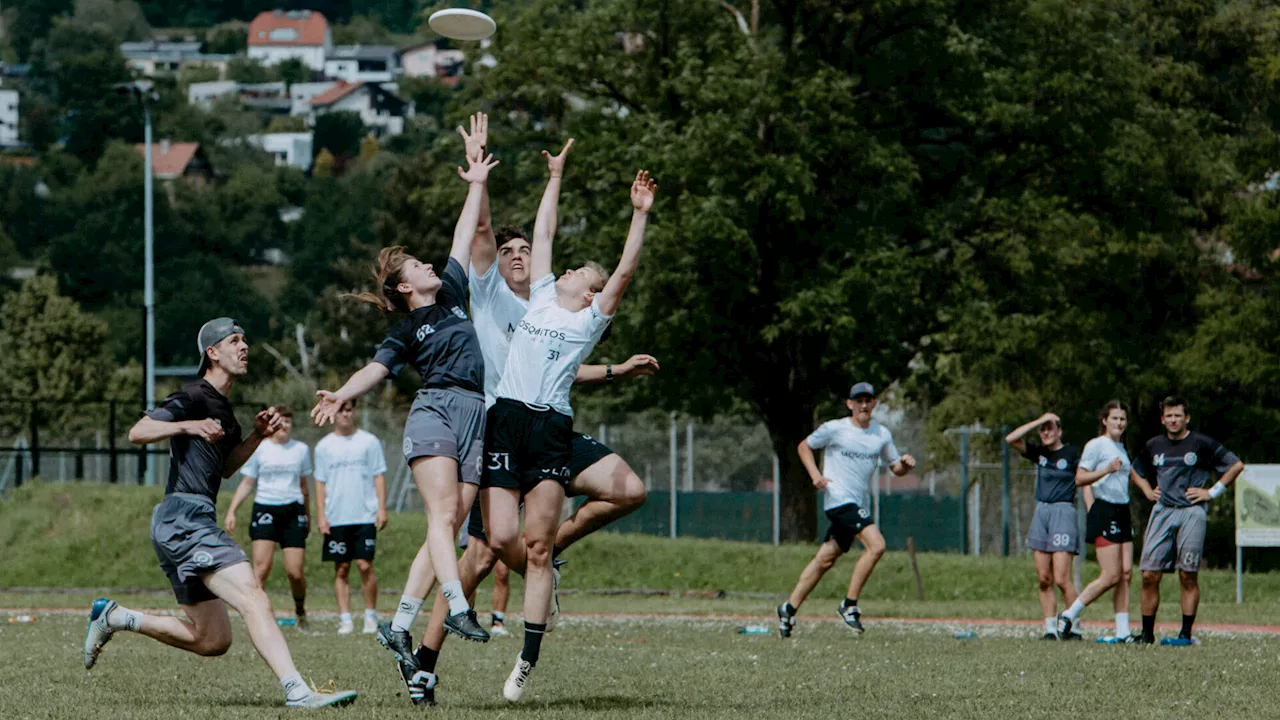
136,437
1081,482
1009,439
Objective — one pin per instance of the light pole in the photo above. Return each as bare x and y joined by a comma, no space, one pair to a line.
142,90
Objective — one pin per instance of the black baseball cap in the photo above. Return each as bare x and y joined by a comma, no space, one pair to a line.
212,333
862,388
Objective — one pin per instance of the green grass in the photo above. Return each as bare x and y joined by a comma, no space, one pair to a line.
88,536
660,669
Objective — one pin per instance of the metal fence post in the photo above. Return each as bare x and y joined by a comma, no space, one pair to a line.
1005,501
964,492
688,457
675,473
114,473
777,501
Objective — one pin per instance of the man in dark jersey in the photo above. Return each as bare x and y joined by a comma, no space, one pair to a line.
206,568
1054,535
1184,463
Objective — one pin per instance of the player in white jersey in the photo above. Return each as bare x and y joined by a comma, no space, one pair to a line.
281,508
529,429
852,449
1103,474
351,492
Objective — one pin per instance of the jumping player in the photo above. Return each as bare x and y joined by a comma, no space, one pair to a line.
852,448
1183,462
206,568
281,508
1053,537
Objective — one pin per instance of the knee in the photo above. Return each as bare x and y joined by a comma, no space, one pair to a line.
1110,578
538,552
1151,579
507,540
1190,581
295,574
213,646
875,549
827,560
634,493
501,573
1045,581
1126,577
365,567
342,570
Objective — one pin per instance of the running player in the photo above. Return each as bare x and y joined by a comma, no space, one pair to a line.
206,568
281,508
351,492
1054,537
530,426
1103,475
1183,462
852,448
444,432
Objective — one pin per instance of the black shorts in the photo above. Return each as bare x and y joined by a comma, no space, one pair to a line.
345,543
285,525
846,522
1109,522
524,445
475,522
585,452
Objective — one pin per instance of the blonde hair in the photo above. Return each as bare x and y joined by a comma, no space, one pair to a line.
386,276
599,270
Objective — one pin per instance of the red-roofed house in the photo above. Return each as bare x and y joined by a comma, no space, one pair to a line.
381,112
170,161
279,35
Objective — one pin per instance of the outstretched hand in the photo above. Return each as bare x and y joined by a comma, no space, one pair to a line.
267,422
555,163
479,170
327,409
643,191
478,139
638,365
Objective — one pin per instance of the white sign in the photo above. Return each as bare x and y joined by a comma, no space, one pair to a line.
1258,506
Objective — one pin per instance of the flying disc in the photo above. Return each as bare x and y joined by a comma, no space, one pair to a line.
462,24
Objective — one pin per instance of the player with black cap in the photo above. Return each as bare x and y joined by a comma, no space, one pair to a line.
206,568
852,449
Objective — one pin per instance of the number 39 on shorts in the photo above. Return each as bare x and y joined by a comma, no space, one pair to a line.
1061,539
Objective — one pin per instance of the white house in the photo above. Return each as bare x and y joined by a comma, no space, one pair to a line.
300,95
279,35
8,117
289,149
381,112
363,63
203,94
152,56
428,60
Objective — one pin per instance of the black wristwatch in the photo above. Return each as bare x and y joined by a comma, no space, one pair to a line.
608,373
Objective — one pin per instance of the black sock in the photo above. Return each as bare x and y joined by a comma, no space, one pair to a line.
1187,622
498,617
786,608
849,602
555,552
1149,627
300,605
426,658
533,633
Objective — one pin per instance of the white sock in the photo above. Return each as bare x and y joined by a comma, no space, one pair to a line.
344,617
1051,625
453,593
122,618
371,615
406,612
1122,625
1074,611
294,688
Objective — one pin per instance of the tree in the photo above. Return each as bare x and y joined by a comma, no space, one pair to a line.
245,70
120,19
322,166
293,71
340,133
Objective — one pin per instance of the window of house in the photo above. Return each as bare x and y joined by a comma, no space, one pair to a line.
284,34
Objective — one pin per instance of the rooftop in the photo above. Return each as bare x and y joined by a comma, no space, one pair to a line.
288,28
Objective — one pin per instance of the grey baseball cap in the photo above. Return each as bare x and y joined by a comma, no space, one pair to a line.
212,333
862,388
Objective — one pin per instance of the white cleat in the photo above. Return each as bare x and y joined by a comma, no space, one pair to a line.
346,627
517,681
370,625
317,700
98,632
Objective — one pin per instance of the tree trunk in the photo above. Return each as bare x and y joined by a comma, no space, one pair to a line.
799,501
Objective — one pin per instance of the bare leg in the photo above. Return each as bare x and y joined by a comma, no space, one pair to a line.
341,587
874,544
1190,591
501,587
437,481
238,587
475,565
1121,596
1062,577
541,517
822,561
294,559
1044,576
368,583
207,631
263,552
1151,591
422,577
1109,562
613,491
501,508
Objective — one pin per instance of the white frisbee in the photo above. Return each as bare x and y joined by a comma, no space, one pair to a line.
462,24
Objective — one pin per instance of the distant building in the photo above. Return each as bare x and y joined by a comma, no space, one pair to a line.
152,56
363,63
269,96
428,60
381,111
300,95
289,149
170,161
203,94
8,117
279,35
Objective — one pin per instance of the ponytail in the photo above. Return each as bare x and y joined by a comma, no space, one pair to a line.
386,276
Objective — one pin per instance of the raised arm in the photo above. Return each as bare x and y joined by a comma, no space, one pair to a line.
149,430
364,380
484,250
643,191
265,424
465,231
544,227
1015,438
635,366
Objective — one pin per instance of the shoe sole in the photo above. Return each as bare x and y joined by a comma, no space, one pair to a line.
341,702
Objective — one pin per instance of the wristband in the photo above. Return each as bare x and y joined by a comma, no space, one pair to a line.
1217,491
608,373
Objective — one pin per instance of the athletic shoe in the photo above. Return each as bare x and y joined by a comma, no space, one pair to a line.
554,615
1113,640
317,700
421,685
465,626
98,633
1144,640
370,625
518,680
1064,626
346,627
1073,636
399,642
303,625
498,631
851,616
1050,636
1180,641
786,623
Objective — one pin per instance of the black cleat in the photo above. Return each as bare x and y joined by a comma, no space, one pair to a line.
851,616
786,622
421,685
1064,628
1050,636
466,626
399,642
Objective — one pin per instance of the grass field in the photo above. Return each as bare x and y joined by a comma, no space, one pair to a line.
674,651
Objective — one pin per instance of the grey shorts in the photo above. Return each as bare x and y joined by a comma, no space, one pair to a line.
190,545
447,422
1054,528
1174,539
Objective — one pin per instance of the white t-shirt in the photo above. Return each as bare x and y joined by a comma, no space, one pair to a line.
547,348
279,469
495,311
346,466
1098,453
850,458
